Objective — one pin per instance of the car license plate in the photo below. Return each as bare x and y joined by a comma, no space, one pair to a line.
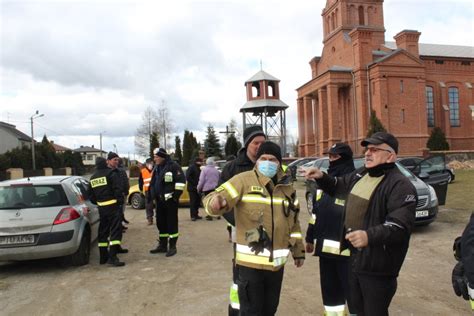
422,214
17,240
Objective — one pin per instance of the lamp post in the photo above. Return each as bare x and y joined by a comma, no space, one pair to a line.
100,134
36,115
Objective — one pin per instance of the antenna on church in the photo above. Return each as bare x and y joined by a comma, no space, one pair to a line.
261,65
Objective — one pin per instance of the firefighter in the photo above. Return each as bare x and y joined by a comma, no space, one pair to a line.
144,180
324,236
106,192
463,272
267,229
245,161
167,185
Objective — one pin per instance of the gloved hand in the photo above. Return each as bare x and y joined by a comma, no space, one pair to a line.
176,195
459,281
258,239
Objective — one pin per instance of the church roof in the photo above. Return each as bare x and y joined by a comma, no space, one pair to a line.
262,75
437,50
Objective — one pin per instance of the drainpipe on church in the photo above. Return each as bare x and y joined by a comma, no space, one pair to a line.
354,104
368,91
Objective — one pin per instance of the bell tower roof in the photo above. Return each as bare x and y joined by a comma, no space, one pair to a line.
262,75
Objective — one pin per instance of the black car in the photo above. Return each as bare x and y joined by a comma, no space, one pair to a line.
431,189
416,164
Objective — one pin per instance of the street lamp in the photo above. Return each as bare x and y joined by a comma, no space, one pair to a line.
36,115
103,132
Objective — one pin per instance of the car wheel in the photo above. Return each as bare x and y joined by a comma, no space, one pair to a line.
309,202
81,256
137,201
451,177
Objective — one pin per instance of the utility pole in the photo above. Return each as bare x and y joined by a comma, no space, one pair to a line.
100,135
36,115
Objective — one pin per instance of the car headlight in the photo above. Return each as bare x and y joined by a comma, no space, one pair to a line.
433,196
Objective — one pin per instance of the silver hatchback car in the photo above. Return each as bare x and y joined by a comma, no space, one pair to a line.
47,217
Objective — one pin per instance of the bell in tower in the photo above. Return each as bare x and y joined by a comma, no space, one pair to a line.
265,108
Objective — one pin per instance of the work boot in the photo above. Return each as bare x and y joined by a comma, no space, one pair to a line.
150,221
172,251
114,261
208,218
104,255
122,250
162,246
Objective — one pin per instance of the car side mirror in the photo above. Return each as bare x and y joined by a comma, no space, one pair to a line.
423,175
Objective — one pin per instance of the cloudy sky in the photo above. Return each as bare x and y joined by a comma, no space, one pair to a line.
94,66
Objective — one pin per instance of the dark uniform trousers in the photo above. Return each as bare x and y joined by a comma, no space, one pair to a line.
371,295
110,226
194,203
259,291
334,273
167,218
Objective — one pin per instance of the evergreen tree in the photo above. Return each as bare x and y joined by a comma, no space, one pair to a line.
211,143
437,140
46,156
178,155
187,148
375,125
154,142
232,145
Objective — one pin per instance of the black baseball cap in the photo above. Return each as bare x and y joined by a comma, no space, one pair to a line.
381,138
339,149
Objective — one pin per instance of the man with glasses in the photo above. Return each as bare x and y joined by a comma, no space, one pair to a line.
379,217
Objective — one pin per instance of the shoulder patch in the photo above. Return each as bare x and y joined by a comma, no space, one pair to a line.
410,198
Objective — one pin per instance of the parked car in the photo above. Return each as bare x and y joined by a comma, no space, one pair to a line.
414,164
431,191
47,217
292,166
136,199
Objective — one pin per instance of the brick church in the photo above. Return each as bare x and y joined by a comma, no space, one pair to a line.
412,87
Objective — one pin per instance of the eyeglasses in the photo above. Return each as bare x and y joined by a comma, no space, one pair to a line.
375,150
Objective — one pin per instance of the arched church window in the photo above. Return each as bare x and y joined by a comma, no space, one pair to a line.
361,15
453,94
430,106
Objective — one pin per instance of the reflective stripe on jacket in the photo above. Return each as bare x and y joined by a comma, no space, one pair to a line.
146,177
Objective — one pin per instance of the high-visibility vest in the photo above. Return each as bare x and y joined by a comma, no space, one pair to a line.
146,176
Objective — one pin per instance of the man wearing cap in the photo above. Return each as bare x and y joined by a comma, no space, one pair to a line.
267,228
324,236
105,191
166,186
144,180
245,161
379,209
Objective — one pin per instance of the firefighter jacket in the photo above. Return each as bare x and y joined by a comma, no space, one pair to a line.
326,226
105,187
144,180
258,202
168,181
388,220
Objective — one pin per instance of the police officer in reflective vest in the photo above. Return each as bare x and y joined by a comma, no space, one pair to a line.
167,185
267,229
144,180
325,235
106,192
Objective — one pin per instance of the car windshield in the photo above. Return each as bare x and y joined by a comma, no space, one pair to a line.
29,196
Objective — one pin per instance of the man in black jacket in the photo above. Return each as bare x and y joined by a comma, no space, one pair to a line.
192,177
324,236
245,161
106,192
167,185
379,217
463,272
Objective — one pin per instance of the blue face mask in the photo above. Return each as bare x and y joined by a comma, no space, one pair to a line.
267,168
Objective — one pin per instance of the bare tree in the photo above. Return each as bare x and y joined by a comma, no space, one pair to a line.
165,124
143,135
